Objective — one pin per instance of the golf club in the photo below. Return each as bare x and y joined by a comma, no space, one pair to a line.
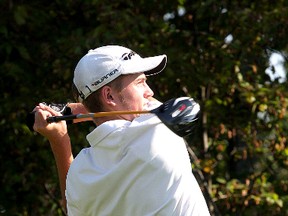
179,114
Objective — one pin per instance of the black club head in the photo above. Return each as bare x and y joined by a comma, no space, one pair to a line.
180,115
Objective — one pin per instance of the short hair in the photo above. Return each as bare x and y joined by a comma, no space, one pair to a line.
93,102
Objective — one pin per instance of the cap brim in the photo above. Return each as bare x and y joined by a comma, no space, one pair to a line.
149,66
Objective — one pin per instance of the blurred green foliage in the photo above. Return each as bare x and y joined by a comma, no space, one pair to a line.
243,158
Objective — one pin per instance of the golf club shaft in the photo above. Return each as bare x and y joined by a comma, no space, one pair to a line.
93,115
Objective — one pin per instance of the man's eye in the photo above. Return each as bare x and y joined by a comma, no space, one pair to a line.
141,82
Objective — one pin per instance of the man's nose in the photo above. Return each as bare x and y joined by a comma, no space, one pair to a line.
148,92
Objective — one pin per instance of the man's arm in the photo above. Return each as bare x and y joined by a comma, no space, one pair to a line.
62,152
59,140
77,108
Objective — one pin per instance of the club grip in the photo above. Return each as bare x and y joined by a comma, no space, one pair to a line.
61,118
30,119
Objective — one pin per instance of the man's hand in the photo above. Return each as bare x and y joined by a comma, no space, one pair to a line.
51,131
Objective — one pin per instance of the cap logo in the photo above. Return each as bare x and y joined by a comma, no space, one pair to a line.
81,94
127,56
108,75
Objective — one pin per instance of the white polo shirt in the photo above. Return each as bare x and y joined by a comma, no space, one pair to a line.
133,168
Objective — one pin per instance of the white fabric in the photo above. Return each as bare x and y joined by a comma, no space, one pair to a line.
133,168
104,64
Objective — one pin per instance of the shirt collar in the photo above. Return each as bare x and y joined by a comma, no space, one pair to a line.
105,129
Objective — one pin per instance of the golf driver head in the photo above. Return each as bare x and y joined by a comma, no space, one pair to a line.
179,114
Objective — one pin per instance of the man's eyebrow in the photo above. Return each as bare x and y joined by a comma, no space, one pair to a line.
141,78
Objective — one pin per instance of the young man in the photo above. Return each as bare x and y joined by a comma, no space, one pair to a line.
135,165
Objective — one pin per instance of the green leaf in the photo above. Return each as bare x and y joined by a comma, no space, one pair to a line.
20,15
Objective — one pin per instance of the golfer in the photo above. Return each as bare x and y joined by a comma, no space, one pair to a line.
135,165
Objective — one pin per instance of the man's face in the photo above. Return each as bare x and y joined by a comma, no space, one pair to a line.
134,95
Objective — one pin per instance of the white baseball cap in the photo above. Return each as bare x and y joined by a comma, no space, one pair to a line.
104,64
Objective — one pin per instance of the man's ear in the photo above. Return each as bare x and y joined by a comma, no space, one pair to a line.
107,96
